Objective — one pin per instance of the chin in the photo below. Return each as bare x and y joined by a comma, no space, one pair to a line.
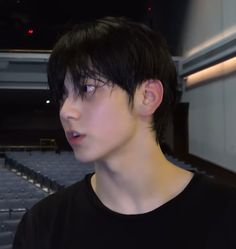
84,158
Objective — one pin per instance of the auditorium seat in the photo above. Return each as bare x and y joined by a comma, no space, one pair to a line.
16,196
6,238
6,247
62,169
9,225
17,214
4,215
9,220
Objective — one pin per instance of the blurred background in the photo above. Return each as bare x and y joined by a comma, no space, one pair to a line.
35,158
35,26
31,24
201,36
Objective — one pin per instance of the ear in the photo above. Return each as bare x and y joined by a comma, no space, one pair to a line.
149,97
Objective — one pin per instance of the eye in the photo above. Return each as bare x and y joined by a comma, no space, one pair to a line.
89,89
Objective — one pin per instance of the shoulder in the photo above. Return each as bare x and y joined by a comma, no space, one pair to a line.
64,196
207,209
48,215
218,205
60,202
214,188
212,196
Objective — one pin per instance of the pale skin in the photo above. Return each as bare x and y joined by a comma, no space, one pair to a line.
132,175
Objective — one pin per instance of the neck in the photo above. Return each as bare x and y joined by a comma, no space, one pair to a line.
138,181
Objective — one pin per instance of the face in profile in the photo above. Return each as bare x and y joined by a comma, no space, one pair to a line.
100,125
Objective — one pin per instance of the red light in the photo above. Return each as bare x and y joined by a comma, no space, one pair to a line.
149,6
30,31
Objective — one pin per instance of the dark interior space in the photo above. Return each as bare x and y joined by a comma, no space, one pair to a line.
138,185
26,118
36,25
28,24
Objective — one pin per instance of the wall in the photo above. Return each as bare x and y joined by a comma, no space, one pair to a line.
212,109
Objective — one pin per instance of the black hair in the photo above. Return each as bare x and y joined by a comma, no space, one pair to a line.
123,52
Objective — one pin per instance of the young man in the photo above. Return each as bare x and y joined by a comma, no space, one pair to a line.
114,80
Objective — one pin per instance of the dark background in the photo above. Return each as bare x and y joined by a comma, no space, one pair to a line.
48,18
36,25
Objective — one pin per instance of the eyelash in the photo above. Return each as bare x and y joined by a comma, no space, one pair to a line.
90,91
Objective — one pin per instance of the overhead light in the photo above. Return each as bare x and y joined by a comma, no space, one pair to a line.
48,101
213,72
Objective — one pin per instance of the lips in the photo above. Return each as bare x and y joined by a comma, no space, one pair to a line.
75,137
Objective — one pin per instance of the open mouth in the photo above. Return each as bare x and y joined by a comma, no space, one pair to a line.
74,137
75,134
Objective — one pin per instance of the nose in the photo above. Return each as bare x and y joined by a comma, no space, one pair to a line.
69,109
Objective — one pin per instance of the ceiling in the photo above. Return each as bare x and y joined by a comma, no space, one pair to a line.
32,24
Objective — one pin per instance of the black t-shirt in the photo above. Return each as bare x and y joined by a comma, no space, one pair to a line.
202,216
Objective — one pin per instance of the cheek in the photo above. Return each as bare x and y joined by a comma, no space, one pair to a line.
112,120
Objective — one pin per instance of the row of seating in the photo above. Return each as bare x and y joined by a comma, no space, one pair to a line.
16,196
7,195
18,191
9,220
46,167
17,203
